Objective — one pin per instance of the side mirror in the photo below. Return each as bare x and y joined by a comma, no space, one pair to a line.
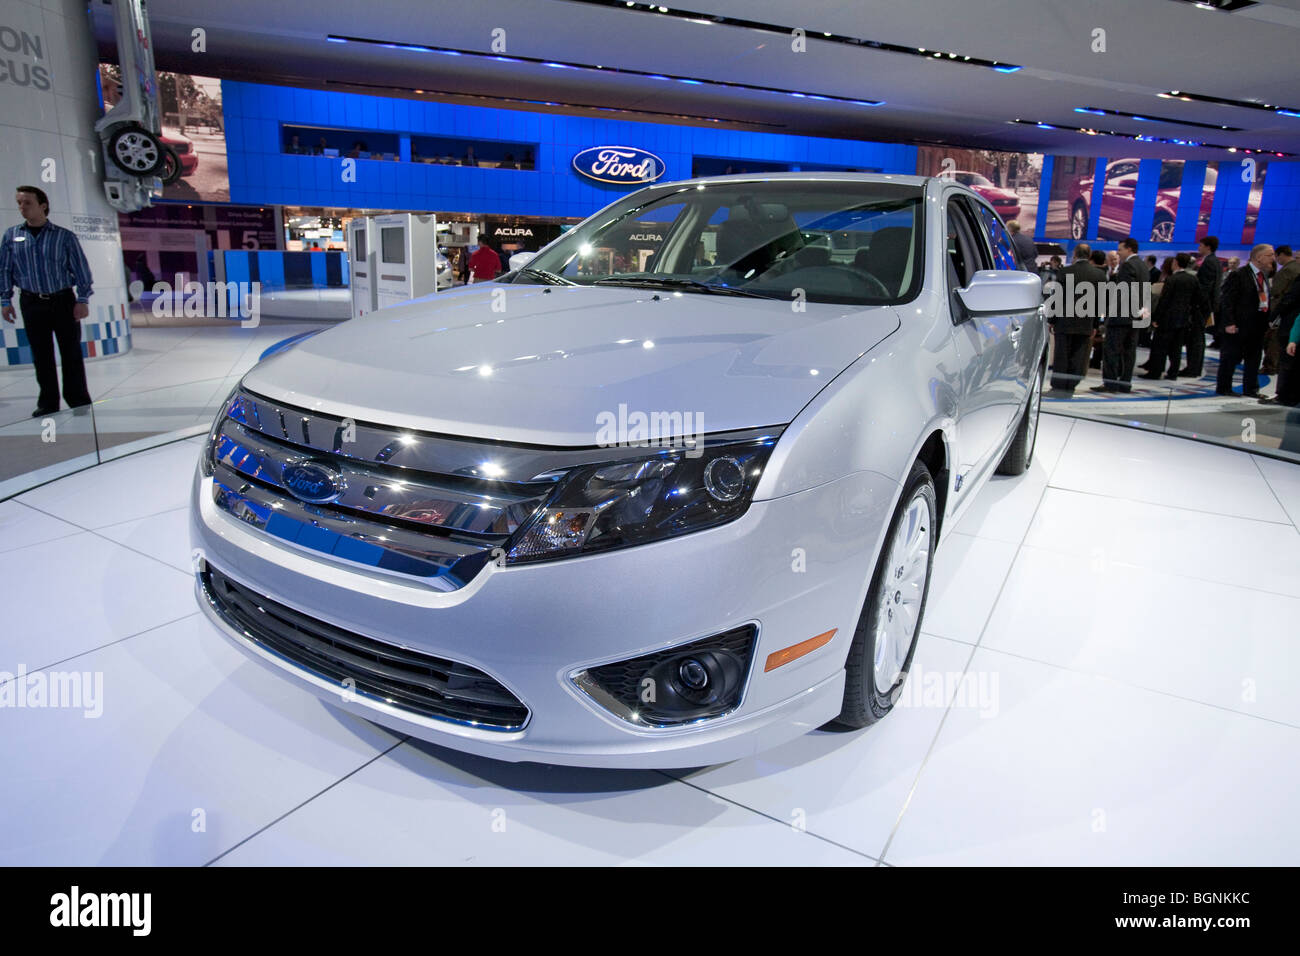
520,259
1001,292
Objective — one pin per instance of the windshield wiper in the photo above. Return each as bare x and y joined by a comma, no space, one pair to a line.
690,285
550,278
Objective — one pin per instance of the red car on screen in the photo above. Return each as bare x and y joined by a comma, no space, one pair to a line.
1005,201
1115,220
184,150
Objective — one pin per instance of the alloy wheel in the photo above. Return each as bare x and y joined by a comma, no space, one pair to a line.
902,589
136,151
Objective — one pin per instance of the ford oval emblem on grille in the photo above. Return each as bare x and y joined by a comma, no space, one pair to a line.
312,481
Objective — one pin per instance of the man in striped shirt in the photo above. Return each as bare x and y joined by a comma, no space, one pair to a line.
47,265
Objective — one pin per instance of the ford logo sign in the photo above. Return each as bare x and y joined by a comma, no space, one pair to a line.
625,165
312,481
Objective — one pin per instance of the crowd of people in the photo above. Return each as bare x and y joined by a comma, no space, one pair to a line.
1113,302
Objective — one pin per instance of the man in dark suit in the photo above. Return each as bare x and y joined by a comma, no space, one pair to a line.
1287,312
1181,304
1098,334
1209,273
1275,339
1130,292
1242,320
1082,283
1024,246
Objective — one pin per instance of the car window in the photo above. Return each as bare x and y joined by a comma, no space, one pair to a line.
1120,170
852,242
1004,253
629,245
965,256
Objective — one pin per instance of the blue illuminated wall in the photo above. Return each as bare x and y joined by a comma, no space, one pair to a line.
261,174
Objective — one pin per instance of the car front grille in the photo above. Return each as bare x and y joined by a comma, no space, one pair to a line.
407,679
396,501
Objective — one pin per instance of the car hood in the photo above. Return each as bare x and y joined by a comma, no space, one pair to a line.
997,192
547,364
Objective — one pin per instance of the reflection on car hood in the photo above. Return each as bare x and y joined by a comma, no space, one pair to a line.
539,364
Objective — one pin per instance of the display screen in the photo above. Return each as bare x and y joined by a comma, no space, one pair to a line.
393,244
359,246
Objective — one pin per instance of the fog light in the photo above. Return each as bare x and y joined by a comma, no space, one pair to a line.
693,674
678,685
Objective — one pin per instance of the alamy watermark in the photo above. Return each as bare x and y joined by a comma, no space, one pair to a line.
219,300
70,690
1097,300
656,429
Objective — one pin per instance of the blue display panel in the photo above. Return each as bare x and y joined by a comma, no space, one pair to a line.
261,119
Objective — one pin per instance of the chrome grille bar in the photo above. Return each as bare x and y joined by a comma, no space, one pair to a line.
443,563
500,462
385,492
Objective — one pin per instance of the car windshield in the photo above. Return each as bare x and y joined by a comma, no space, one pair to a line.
973,179
844,242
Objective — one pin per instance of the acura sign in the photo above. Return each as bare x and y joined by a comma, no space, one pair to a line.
623,165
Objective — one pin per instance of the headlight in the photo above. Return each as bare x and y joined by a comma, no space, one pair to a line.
618,504
206,461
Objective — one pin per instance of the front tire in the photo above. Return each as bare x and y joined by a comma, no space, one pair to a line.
1079,221
172,167
1162,230
885,639
1021,451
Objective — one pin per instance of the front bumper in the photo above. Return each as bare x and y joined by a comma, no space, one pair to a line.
795,566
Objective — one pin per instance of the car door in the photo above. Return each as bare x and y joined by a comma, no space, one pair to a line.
985,352
1117,200
1022,333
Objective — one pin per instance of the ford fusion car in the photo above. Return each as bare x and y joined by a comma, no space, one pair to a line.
664,495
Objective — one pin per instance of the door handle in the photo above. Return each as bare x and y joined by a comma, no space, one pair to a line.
1015,333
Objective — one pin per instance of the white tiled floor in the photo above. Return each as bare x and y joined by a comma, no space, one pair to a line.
1107,675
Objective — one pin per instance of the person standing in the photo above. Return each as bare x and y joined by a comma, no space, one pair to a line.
1120,351
1024,246
1072,331
47,265
1288,267
1286,312
1245,310
1181,304
1210,275
484,264
1098,333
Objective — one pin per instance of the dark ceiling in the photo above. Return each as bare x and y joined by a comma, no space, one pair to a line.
738,62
